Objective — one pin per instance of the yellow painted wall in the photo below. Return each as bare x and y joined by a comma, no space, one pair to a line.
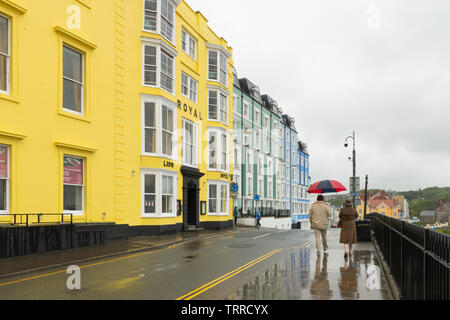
108,136
32,122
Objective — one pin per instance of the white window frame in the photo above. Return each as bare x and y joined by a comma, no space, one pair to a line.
158,173
220,109
83,187
219,184
246,110
82,83
159,102
186,39
195,145
6,211
168,51
249,185
219,132
189,86
8,58
159,19
222,63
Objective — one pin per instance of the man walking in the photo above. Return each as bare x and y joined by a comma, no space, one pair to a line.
319,214
258,218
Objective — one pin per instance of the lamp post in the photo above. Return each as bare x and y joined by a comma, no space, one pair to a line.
354,166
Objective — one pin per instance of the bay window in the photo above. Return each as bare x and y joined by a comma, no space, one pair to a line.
4,54
4,178
167,71
150,15
167,131
218,198
190,143
158,65
158,127
73,80
218,150
218,64
73,184
217,106
159,17
158,193
167,194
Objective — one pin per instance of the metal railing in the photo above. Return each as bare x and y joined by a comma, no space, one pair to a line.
417,257
26,218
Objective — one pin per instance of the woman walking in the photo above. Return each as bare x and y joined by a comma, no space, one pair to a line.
348,232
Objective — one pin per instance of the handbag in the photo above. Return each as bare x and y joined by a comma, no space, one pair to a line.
339,225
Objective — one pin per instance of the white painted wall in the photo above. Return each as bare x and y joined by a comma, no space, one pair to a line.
282,223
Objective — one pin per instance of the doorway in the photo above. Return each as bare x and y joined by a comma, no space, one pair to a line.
192,205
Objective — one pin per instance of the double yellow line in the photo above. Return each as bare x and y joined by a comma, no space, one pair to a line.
209,285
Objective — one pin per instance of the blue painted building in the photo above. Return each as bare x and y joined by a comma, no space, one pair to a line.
301,199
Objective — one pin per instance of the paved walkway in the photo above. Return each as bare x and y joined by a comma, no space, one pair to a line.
39,262
294,274
304,275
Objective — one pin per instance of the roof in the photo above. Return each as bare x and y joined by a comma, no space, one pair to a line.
249,88
426,214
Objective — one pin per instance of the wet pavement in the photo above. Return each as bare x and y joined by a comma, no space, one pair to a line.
37,262
303,275
242,264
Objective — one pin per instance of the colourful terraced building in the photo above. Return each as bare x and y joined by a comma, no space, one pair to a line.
116,112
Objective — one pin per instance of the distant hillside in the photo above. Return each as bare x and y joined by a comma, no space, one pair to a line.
419,200
425,199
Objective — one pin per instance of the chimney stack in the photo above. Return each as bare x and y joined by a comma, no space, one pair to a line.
441,207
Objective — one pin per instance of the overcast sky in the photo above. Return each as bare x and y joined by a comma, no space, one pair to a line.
381,68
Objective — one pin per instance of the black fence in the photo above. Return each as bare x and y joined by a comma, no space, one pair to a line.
417,257
27,219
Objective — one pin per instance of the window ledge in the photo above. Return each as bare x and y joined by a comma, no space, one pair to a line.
153,216
73,116
5,96
14,6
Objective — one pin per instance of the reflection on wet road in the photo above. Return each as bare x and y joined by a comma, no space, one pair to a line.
302,274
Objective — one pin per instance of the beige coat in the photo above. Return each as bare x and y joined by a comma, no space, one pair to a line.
319,214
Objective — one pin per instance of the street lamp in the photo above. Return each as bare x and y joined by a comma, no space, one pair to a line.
354,167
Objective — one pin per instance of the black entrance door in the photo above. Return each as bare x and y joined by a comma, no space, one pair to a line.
191,197
192,205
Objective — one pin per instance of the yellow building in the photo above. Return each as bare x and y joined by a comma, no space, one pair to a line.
115,111
380,203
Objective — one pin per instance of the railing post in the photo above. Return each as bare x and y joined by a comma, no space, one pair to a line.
424,264
14,219
27,220
401,259
71,219
62,218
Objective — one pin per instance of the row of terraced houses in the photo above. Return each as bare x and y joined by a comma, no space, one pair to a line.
131,113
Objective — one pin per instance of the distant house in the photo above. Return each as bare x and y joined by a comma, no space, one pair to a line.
439,215
381,203
427,217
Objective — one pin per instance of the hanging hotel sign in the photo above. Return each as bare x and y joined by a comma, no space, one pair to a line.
188,109
3,162
73,171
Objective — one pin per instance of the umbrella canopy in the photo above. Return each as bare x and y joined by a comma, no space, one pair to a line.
326,186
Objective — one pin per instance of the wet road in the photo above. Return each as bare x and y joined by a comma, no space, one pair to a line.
264,264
